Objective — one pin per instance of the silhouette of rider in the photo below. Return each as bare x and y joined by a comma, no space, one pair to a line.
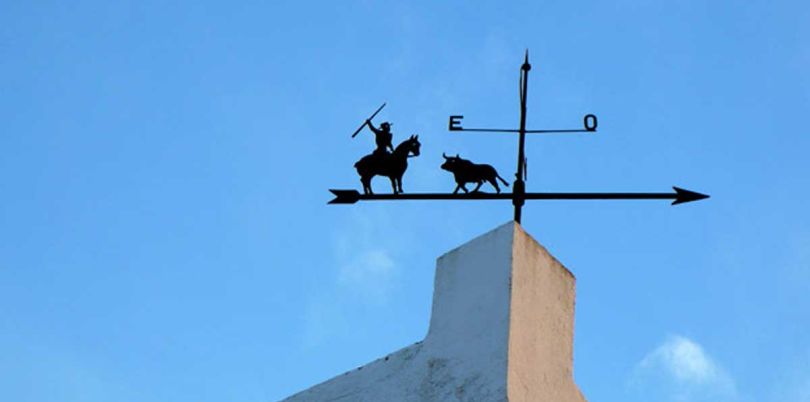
382,136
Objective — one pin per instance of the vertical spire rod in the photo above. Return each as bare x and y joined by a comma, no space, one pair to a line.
519,189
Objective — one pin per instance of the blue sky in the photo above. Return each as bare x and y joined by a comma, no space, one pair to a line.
164,233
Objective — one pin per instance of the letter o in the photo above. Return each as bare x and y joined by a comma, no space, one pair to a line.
590,122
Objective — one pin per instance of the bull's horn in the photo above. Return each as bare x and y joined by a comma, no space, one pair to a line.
445,156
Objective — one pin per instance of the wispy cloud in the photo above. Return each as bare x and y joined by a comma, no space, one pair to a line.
365,276
366,268
680,370
685,360
370,272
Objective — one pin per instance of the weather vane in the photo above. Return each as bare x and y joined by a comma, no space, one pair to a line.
394,163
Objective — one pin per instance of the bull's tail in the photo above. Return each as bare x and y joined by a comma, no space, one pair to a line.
502,180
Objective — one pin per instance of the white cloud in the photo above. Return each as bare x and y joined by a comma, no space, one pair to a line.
365,267
365,276
684,359
680,370
370,272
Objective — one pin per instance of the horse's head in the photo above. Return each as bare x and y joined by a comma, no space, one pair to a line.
415,145
409,146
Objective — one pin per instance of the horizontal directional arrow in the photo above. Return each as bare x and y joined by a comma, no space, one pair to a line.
680,196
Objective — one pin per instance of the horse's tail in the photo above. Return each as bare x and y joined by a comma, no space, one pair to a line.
362,164
502,180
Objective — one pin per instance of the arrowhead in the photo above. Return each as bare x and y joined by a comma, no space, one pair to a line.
682,196
345,196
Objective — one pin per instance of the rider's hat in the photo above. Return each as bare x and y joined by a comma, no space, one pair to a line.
385,124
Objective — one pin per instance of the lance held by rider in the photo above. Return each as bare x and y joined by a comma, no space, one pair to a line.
383,134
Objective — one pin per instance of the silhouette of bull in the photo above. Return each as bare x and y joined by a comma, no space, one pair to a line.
465,171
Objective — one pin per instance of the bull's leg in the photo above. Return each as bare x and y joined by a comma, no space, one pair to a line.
458,187
495,184
480,183
463,187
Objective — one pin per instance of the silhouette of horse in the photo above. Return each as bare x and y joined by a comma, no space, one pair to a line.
391,165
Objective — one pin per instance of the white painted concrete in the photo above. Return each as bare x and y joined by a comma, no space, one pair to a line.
501,329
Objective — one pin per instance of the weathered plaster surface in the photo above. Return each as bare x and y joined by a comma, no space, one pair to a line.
501,329
541,326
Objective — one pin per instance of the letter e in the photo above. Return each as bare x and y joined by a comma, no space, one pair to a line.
455,123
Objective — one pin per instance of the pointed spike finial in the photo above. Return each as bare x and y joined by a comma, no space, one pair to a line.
526,66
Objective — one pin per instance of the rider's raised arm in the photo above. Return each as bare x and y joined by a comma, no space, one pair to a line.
375,130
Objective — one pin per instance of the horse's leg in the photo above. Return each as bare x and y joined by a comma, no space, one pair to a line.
397,175
394,184
464,187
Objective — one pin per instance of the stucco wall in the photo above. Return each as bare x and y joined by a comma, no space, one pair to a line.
501,329
541,326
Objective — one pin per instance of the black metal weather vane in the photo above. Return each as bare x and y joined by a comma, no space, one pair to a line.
394,164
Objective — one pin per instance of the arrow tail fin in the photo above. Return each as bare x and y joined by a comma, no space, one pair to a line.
345,196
